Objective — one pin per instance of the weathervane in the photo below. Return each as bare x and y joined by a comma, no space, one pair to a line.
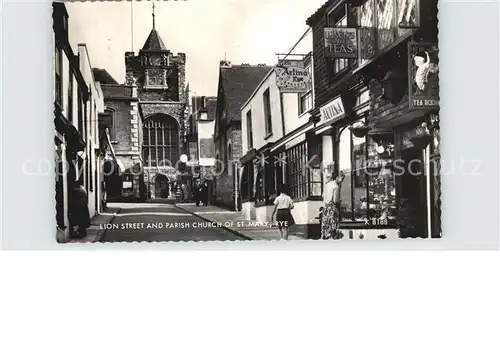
153,14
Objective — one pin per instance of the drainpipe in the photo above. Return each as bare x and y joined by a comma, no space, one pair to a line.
282,115
428,190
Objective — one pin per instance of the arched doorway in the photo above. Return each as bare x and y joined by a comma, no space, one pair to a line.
161,186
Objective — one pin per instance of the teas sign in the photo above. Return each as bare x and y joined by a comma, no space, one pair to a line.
292,77
423,66
341,42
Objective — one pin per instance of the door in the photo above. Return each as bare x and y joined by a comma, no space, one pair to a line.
413,193
161,186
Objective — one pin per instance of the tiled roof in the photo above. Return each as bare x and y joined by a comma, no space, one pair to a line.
154,42
323,7
102,76
239,82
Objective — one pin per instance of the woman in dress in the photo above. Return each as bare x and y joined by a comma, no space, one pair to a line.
283,205
331,210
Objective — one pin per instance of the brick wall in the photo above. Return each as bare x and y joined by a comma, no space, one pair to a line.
324,80
122,122
224,192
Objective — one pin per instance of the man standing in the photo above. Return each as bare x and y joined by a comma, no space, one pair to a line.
196,192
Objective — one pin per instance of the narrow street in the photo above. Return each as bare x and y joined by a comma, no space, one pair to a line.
153,222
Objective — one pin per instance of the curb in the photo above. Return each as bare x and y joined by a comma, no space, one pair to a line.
101,233
232,231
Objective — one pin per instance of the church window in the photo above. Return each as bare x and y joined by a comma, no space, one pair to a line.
160,141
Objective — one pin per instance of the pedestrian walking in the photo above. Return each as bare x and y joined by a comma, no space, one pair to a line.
196,192
183,192
79,211
283,205
204,193
331,211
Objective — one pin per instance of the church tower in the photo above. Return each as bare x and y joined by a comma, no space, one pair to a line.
160,78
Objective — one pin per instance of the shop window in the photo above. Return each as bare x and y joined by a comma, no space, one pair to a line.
382,22
315,177
247,183
381,180
267,112
337,17
58,76
296,162
368,190
249,130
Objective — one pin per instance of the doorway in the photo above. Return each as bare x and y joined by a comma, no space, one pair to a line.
413,194
161,186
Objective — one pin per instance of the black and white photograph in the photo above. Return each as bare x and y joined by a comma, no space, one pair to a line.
240,120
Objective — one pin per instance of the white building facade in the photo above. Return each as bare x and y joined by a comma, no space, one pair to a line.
276,123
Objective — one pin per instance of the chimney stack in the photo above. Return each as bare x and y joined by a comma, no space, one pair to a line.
225,64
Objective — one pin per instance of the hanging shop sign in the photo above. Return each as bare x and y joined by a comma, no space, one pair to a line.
341,42
332,111
423,66
292,77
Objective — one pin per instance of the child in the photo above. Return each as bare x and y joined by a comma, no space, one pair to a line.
283,205
320,215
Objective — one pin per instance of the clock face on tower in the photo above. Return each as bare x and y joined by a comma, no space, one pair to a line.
156,61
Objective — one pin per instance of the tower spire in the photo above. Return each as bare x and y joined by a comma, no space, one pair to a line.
153,14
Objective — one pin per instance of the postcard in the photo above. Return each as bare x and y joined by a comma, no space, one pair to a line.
229,120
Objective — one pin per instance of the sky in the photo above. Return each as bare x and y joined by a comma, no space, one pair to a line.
242,31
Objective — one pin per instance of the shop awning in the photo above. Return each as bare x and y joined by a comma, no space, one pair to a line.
323,129
291,136
249,156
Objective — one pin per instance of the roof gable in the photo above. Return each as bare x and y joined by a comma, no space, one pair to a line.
103,76
238,83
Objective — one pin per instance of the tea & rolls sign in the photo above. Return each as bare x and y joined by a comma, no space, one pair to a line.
341,42
292,77
423,64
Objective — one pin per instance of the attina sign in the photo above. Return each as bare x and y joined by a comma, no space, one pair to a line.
341,42
292,77
332,111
